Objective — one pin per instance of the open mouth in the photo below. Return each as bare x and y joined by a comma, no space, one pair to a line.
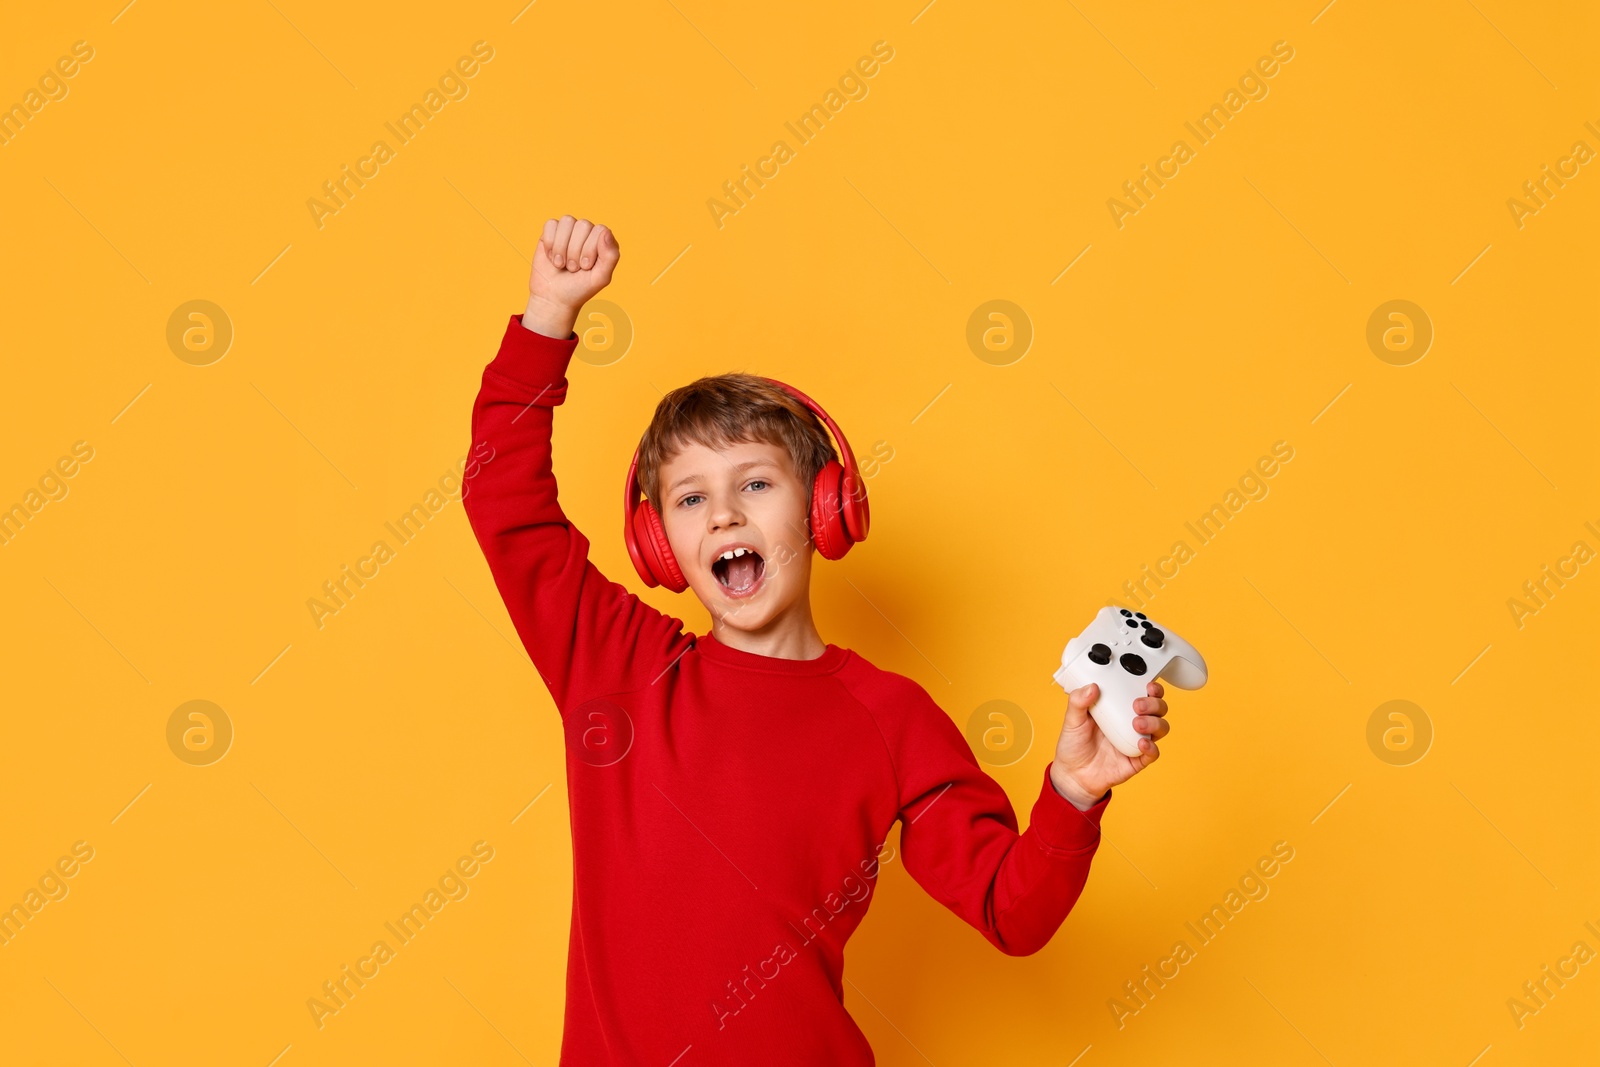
739,571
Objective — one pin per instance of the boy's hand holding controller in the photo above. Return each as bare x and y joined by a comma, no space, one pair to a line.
1087,763
573,262
1110,732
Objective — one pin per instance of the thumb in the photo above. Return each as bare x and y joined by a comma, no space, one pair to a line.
1079,701
607,253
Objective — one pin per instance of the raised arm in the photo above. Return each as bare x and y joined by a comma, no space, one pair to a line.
959,838
586,635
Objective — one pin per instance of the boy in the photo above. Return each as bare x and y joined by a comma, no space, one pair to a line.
731,793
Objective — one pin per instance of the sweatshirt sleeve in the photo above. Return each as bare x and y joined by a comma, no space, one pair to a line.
959,836
587,636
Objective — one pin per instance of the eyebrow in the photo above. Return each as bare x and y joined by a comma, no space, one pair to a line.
746,465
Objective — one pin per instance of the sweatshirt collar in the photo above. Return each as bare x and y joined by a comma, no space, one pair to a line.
832,658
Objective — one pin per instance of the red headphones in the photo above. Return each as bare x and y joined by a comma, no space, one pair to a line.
839,513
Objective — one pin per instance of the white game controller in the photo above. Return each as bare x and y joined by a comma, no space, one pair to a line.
1122,651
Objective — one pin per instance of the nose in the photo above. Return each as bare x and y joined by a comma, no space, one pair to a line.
724,513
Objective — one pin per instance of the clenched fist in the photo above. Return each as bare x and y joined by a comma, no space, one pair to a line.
573,262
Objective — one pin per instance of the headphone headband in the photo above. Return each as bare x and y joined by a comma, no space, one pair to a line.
847,459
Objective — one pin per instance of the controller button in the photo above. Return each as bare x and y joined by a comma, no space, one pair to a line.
1130,622
1145,624
1100,654
1141,615
1126,612
1131,663
1152,637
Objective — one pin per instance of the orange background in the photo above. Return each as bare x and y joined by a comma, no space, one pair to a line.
1167,355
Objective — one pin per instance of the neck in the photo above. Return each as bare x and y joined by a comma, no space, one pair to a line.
790,635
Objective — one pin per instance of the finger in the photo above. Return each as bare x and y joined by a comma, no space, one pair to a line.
1149,751
1150,706
1154,689
558,246
588,255
1156,728
580,234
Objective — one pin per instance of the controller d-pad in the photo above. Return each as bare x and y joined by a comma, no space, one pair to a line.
1131,663
1100,654
1152,637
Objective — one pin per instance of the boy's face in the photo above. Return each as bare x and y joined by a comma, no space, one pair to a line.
745,495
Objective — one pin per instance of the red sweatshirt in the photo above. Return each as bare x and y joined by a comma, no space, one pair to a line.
728,808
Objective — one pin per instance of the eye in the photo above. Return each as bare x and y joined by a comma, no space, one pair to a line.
685,501
756,482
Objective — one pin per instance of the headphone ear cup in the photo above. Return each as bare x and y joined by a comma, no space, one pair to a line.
857,516
635,537
827,521
657,551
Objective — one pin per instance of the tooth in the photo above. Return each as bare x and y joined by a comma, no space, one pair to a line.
727,555
738,552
